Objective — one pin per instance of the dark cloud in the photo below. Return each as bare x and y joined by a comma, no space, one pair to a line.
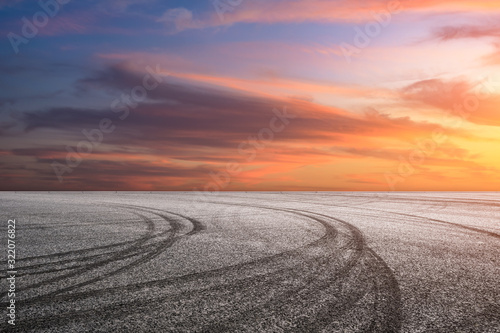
102,175
192,125
446,33
194,115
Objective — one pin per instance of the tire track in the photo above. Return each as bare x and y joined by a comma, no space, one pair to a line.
457,225
356,246
255,264
138,248
116,256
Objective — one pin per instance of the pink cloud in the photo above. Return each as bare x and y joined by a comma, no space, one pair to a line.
325,11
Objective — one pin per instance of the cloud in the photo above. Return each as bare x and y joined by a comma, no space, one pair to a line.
193,113
447,33
493,59
492,31
475,102
179,19
114,7
323,11
183,131
111,175
435,92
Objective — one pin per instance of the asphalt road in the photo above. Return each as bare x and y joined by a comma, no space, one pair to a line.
254,262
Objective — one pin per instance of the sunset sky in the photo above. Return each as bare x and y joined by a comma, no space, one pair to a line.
250,95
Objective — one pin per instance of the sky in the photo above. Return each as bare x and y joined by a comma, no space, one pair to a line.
250,95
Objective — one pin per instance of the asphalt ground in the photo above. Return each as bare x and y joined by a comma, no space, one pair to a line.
253,262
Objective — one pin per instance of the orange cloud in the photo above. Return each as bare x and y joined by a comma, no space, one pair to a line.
476,103
202,128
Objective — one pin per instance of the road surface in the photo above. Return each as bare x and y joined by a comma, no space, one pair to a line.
254,262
